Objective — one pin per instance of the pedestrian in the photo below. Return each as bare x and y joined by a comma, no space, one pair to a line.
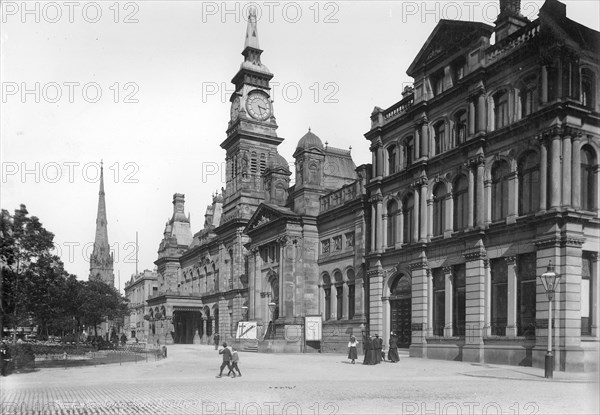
352,349
234,363
393,352
369,352
216,338
4,359
377,345
226,359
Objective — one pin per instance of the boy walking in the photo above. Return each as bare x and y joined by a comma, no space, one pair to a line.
234,363
226,359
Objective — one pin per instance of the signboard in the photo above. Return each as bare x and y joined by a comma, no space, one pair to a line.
246,330
313,328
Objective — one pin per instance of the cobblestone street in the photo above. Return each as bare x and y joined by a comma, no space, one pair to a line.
185,383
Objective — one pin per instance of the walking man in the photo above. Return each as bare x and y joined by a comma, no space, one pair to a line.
216,339
234,363
226,359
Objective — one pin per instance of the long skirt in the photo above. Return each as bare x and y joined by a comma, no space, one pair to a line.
377,356
352,353
370,357
393,355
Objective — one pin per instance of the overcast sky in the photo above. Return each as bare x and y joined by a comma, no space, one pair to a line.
144,85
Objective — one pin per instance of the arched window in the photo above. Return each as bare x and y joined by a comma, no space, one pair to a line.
460,127
461,209
408,207
327,291
500,109
339,295
529,97
589,181
391,159
439,137
500,173
409,151
439,196
392,211
529,184
351,293
588,88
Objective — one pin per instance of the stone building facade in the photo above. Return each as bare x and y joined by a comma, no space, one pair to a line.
262,253
137,290
484,173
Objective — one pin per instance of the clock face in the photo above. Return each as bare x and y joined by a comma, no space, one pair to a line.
235,108
258,106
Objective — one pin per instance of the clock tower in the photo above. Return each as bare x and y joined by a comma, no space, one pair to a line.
252,140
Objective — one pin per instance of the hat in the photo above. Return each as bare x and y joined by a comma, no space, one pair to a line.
377,335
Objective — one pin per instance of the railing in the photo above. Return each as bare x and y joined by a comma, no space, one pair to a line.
521,36
399,108
339,197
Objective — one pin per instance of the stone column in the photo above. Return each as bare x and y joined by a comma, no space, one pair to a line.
566,170
471,118
429,283
555,172
333,299
448,215
423,213
488,299
417,146
379,210
424,140
384,229
373,225
204,336
470,197
448,283
400,229
513,201
481,113
429,219
375,295
420,307
576,174
544,92
543,176
595,312
475,304
511,315
480,198
345,301
416,209
359,300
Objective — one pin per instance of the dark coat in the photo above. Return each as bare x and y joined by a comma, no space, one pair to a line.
226,354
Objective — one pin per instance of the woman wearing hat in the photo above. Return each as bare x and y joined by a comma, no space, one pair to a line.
352,354
393,352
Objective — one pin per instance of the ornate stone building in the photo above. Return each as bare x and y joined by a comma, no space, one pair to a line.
137,290
484,173
268,252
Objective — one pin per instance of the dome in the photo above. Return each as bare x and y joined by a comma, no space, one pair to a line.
309,140
278,161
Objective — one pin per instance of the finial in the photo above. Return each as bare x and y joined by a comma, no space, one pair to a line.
326,144
309,129
101,163
350,148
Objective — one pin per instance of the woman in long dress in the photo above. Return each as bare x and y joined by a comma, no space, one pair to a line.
352,354
393,352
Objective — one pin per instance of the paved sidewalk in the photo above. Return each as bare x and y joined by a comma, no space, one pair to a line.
185,383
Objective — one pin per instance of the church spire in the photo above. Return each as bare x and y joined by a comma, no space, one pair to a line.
101,260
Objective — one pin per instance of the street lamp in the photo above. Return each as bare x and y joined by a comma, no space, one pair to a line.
550,280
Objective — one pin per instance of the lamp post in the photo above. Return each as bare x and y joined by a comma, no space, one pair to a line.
550,280
272,306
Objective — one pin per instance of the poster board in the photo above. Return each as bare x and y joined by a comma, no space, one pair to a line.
246,330
313,328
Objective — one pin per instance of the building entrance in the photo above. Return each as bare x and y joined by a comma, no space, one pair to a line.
185,324
400,309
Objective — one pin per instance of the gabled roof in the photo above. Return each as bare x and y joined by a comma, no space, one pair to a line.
267,213
448,36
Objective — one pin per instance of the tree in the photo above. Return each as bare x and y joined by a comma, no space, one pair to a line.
101,301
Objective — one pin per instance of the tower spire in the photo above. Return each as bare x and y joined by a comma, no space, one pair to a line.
251,32
101,260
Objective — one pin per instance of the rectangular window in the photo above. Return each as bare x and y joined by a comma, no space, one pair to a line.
439,301
499,293
587,287
459,300
526,288
351,293
340,301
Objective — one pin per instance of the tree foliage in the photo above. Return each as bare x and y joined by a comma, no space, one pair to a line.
37,290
